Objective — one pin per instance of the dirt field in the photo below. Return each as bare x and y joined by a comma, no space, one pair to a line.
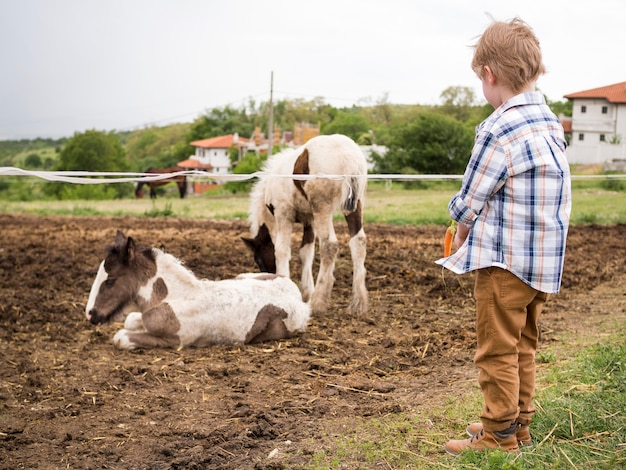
68,399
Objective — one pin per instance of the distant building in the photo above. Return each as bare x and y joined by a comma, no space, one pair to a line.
213,156
304,132
598,125
367,150
301,134
214,153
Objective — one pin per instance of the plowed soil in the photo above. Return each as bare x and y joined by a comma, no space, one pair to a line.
69,399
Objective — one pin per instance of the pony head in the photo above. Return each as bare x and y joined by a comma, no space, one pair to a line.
262,248
120,276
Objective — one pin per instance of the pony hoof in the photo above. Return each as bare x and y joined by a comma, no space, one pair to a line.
357,309
318,306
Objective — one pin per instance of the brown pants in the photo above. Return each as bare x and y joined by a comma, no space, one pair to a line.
507,313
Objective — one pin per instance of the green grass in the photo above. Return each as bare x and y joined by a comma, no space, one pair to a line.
213,207
597,206
388,204
580,424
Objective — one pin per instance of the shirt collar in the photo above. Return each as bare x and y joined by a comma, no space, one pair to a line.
530,97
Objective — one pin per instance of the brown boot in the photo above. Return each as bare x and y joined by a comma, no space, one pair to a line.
484,440
522,432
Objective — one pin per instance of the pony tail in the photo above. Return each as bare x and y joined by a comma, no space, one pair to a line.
351,190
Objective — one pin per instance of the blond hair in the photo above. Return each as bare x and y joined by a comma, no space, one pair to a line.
512,52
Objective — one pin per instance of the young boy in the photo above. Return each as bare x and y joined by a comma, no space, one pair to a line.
513,214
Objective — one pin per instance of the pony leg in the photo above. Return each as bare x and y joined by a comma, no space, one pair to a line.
268,325
307,253
134,321
161,328
125,339
282,247
358,251
329,247
182,188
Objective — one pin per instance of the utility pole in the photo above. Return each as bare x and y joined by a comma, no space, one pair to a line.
270,131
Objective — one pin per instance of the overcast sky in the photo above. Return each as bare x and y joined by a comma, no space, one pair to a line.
71,65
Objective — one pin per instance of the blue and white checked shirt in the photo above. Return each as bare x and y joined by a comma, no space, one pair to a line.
516,195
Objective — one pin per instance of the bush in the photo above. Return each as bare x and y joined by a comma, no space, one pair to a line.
93,192
613,185
248,165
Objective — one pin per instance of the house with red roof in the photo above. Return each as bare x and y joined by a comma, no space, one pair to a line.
598,127
213,154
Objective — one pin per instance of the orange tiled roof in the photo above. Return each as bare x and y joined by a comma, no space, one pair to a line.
220,142
193,164
566,123
612,93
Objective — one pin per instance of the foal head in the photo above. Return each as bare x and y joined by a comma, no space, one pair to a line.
120,276
262,248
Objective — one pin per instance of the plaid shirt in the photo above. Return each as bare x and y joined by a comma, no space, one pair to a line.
516,195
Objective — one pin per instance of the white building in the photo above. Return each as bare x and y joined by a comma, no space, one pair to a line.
598,125
214,153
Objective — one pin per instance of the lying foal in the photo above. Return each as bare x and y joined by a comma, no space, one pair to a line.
178,309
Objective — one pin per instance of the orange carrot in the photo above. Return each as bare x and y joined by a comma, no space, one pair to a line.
448,239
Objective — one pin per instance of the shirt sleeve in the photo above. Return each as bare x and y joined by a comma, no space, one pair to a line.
485,175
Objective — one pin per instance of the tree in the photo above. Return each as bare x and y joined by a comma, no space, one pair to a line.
564,108
91,151
159,147
250,163
431,144
458,101
221,121
350,123
33,160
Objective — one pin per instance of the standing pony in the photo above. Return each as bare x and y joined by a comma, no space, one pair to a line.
180,180
277,202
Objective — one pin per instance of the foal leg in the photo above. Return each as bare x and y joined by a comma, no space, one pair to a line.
161,330
358,250
268,325
329,247
125,339
307,253
282,245
134,321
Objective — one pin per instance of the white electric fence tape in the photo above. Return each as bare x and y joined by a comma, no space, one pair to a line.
104,177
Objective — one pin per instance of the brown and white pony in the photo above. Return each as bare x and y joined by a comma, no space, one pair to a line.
278,201
180,180
174,308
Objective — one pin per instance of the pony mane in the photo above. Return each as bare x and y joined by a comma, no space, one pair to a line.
278,164
282,162
169,261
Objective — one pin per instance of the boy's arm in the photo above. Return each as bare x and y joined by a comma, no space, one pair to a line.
462,231
484,175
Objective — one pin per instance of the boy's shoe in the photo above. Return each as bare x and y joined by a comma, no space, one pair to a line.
522,432
484,440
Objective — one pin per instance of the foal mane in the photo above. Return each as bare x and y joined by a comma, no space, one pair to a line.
126,252
278,164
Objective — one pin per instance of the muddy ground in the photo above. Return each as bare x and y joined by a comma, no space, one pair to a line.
69,399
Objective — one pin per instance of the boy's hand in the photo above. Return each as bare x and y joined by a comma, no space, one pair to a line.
462,231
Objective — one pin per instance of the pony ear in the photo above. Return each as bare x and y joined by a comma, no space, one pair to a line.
250,243
129,251
120,239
